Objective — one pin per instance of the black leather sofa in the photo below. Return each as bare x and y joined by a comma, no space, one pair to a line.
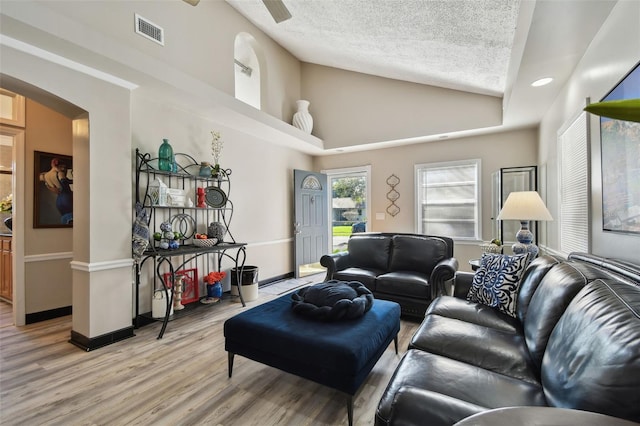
404,268
574,343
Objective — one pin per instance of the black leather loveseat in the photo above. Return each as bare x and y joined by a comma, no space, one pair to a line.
574,343
405,268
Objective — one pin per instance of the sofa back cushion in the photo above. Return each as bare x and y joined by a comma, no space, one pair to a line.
548,303
369,251
531,278
416,253
592,361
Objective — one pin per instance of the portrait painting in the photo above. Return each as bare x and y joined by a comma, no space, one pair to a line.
53,190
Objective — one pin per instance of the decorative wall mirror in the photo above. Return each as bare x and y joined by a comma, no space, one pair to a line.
505,181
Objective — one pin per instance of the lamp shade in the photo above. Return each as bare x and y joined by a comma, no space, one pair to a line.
524,205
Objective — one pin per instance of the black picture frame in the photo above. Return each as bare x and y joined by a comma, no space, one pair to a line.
620,162
52,190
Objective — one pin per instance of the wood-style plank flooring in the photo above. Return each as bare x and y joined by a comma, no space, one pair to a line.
178,380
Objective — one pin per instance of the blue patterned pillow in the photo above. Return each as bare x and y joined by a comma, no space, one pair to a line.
497,281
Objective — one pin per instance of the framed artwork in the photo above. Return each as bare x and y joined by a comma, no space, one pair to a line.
190,288
53,190
621,162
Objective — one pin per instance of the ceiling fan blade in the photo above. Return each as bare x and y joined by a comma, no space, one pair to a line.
278,10
192,2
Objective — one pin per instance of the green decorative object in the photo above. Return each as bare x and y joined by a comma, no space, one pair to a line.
165,156
626,109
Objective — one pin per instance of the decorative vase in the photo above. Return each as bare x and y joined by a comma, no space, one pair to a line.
159,305
8,222
165,156
302,119
205,169
216,230
214,290
200,194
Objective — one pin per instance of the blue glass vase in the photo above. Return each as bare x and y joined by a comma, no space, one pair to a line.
165,156
214,290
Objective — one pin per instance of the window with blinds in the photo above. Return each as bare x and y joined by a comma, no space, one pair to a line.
447,199
573,178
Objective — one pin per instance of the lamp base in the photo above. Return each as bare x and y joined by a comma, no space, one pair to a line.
525,241
531,249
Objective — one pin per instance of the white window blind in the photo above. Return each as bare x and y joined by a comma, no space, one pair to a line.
573,164
447,200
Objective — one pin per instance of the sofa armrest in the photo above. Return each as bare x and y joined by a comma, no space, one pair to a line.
415,406
335,262
462,283
443,272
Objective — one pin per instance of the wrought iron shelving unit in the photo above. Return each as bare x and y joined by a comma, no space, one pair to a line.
186,178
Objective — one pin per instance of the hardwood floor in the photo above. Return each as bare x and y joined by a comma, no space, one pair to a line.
178,380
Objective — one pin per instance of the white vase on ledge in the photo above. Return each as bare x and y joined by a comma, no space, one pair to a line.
302,119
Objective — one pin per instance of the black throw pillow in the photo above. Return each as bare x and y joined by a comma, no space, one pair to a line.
332,300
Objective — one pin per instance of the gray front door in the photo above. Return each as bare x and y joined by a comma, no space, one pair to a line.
311,227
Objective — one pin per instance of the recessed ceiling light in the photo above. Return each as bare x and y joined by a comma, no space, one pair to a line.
542,82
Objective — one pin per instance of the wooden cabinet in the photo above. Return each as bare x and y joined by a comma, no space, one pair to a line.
6,281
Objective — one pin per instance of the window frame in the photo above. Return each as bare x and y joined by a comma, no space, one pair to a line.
475,162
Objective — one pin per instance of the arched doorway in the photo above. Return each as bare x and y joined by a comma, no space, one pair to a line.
101,256
38,252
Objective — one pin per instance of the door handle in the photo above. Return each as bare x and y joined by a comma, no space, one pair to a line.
296,228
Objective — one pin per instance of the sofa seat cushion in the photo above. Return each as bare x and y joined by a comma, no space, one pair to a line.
404,283
416,253
475,313
364,276
458,380
495,350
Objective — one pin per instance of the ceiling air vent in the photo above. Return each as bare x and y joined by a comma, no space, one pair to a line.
148,29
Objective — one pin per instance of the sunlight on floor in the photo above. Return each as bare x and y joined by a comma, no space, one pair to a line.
311,269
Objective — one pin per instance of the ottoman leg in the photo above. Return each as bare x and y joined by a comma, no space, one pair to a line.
230,358
350,409
395,342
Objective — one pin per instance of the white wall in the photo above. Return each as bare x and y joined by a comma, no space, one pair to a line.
611,55
350,108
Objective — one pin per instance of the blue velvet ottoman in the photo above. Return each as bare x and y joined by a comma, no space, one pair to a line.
337,354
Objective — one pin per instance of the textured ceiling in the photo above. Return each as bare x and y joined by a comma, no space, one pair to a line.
457,44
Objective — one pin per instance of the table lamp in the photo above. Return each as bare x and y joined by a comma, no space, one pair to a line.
524,206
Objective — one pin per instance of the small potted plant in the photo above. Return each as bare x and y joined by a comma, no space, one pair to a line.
214,288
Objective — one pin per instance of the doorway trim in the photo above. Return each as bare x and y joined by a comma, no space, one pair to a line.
17,243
